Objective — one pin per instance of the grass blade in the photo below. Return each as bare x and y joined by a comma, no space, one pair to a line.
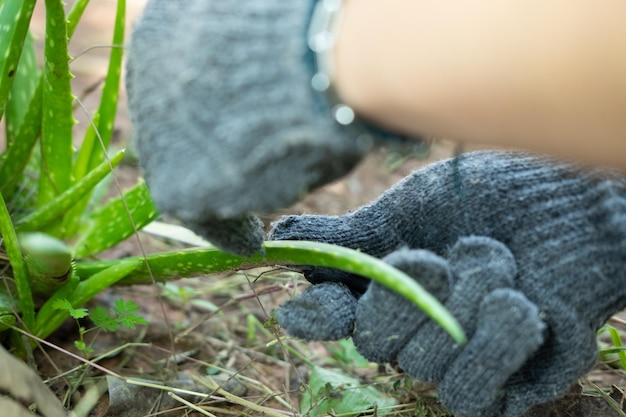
20,275
55,208
179,264
617,342
14,21
57,119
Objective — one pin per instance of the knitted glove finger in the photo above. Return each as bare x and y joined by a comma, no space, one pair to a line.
509,331
322,312
241,235
223,110
586,288
385,321
480,265
569,352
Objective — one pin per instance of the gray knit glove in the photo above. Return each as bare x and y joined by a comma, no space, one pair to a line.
225,118
529,255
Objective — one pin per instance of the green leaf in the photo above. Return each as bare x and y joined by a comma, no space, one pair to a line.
74,15
185,263
617,342
82,346
24,85
58,206
16,157
57,119
48,319
79,313
7,321
8,307
345,353
64,304
20,275
127,313
14,21
122,308
332,393
48,315
92,152
103,320
124,314
88,288
116,221
94,146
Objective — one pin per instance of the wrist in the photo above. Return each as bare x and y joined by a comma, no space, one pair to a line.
323,31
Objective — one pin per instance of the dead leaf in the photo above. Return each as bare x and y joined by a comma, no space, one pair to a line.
23,393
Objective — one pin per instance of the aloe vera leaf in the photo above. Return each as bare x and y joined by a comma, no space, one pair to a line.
14,21
85,291
23,119
93,148
114,222
48,262
11,244
24,85
44,215
7,321
74,15
185,263
7,311
48,313
57,119
92,152
16,157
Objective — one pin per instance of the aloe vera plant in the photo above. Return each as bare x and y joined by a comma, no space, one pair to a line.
52,233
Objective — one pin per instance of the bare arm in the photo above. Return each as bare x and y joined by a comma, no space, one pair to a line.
544,76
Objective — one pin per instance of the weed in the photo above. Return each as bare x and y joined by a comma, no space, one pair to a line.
122,314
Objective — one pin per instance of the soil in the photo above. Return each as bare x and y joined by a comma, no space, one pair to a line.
214,326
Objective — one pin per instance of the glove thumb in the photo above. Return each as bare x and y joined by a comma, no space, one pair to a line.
322,312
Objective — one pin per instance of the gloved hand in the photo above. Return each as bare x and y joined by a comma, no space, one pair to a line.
528,254
221,101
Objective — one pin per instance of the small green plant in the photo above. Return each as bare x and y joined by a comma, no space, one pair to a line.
123,314
615,354
335,393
